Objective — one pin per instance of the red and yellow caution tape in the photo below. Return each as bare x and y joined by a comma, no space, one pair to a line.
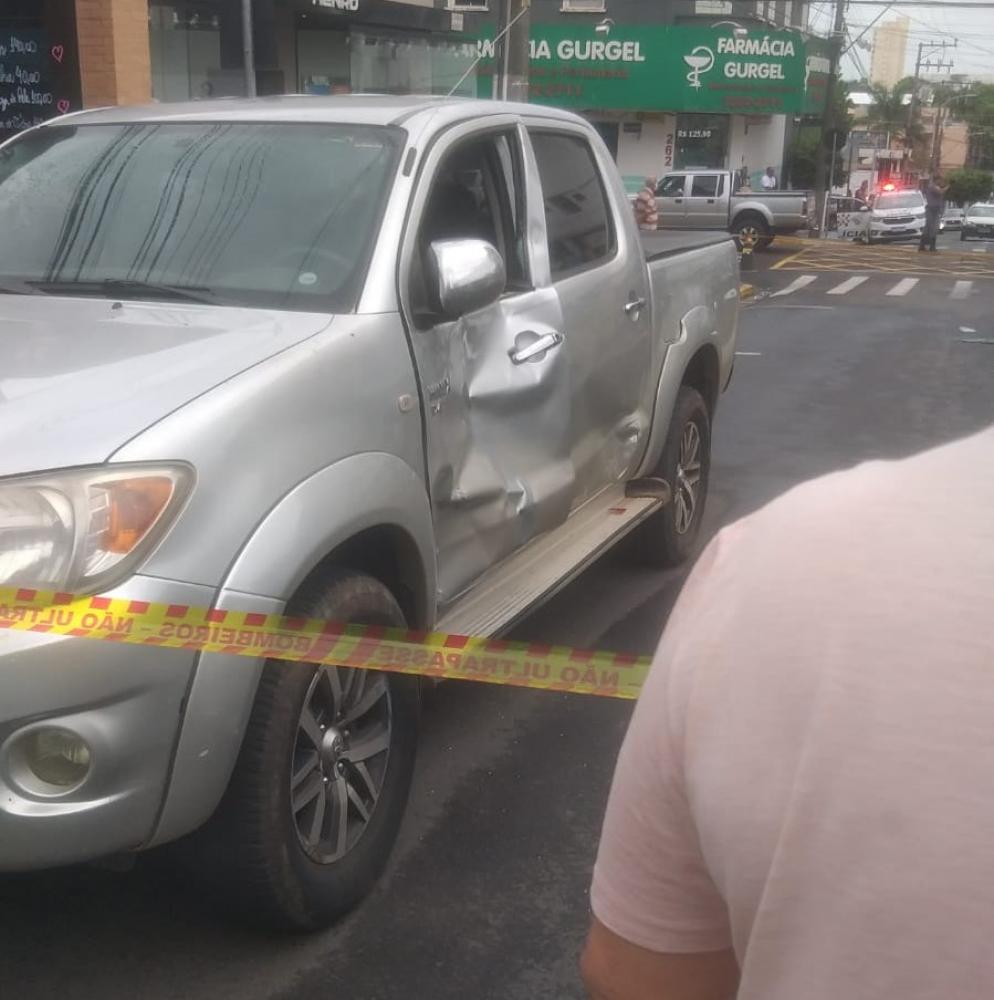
312,640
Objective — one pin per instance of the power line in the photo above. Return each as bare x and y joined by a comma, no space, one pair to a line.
933,30
981,5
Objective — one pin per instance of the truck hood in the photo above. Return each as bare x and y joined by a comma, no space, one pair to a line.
79,377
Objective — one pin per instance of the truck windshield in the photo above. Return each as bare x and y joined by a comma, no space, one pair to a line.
236,213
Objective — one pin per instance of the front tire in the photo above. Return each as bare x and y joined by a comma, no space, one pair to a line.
670,536
320,786
962,237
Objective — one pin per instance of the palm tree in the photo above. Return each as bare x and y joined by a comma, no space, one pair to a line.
889,111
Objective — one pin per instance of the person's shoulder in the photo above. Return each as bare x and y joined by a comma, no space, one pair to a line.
872,504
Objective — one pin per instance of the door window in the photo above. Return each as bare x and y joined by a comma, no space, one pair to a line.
704,186
671,187
577,219
477,193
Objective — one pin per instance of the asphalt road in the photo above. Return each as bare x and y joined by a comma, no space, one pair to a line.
949,241
486,894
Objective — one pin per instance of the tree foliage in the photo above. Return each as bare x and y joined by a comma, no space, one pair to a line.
802,158
967,186
889,112
810,142
978,113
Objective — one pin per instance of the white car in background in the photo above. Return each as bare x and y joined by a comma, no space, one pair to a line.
978,220
952,218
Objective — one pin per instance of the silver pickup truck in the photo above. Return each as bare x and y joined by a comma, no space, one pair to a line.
710,199
374,359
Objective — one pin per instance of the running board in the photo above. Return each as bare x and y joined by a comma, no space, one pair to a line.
514,588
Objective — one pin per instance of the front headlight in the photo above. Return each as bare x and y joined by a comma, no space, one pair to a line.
87,529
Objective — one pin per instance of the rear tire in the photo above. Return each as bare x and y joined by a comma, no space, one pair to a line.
752,225
670,536
321,783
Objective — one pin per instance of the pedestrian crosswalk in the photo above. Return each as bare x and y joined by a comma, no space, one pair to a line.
882,286
903,286
847,286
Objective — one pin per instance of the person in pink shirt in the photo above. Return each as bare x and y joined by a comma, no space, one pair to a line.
803,807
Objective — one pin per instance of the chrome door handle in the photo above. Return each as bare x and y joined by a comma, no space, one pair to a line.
519,355
634,307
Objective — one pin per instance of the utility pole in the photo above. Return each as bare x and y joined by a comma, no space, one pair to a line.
939,127
828,112
513,58
919,66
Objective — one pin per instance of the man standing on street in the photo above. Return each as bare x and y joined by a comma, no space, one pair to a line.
769,180
935,200
803,804
646,213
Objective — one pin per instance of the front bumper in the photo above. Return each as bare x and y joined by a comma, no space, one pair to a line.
902,232
126,702
986,232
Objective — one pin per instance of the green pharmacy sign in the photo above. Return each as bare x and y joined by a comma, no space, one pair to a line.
663,68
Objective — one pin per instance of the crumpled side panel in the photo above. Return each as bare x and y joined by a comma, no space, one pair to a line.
499,463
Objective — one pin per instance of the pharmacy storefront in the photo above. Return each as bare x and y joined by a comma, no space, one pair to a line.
673,96
307,46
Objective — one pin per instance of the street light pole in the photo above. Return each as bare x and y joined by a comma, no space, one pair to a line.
248,48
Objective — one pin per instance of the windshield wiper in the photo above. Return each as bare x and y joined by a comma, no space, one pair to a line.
128,288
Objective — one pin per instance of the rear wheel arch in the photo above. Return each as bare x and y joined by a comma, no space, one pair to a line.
751,216
703,374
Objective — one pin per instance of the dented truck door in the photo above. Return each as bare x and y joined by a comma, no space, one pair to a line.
598,270
495,381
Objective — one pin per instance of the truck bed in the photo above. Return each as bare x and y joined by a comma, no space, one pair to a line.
666,243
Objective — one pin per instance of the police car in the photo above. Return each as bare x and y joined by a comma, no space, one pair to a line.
895,214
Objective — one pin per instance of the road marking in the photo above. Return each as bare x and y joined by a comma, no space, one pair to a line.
961,290
848,285
796,285
967,329
903,286
748,354
786,260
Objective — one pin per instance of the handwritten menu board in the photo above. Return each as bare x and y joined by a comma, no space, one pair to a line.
30,79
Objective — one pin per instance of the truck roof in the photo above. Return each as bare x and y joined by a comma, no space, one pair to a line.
359,109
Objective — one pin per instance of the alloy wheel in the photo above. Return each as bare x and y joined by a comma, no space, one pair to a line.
339,759
688,477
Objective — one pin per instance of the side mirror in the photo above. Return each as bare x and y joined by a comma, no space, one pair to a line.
464,275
